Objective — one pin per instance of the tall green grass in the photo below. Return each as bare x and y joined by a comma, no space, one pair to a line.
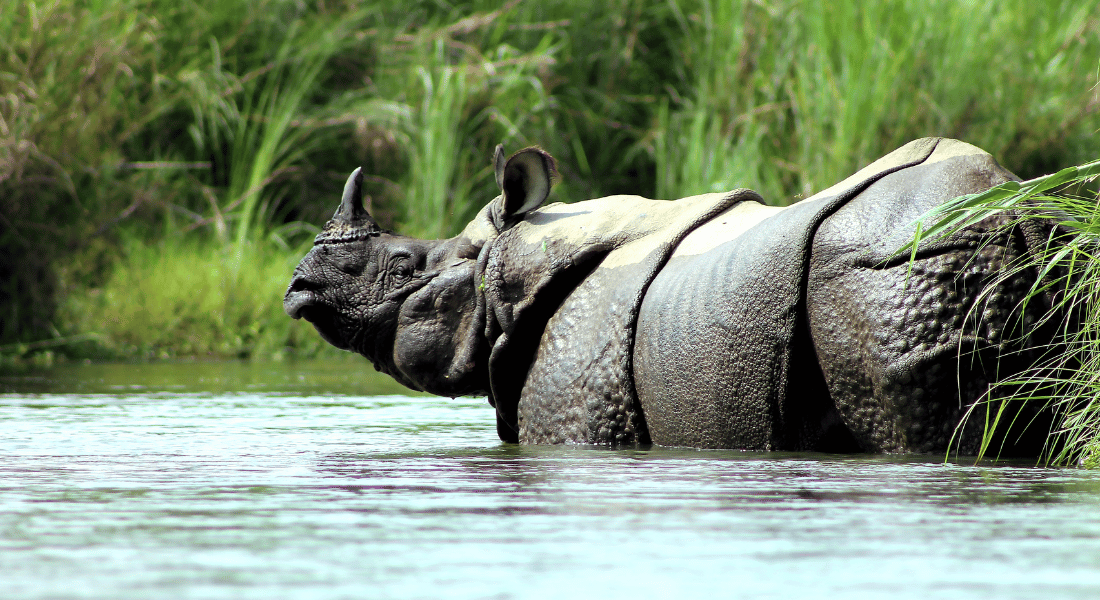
1066,379
789,97
184,298
209,125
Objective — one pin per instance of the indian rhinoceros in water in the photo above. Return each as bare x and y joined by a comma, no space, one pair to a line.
713,321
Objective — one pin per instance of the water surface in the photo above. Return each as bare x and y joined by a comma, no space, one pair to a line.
231,480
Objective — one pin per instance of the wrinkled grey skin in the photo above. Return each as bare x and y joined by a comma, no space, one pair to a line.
797,330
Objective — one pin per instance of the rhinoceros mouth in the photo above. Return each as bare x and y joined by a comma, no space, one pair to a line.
308,306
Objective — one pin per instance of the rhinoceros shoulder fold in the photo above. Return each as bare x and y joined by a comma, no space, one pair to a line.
570,278
615,230
629,227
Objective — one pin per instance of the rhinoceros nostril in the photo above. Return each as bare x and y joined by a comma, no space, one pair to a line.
302,284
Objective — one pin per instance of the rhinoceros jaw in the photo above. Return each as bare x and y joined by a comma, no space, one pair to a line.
323,320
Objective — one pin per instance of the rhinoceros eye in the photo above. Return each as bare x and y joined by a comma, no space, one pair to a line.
400,271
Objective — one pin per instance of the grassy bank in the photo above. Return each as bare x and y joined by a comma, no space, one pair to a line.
163,163
181,298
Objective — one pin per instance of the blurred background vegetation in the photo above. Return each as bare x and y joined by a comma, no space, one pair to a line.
164,164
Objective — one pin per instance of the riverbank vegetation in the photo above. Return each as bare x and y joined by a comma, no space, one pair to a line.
1066,270
163,165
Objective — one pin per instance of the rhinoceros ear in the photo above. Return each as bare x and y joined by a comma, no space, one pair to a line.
524,181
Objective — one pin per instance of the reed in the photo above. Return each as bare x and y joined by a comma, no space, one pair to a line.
1064,380
231,126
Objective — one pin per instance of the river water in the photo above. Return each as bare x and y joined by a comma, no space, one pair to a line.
310,480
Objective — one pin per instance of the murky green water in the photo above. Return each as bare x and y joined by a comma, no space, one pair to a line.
313,481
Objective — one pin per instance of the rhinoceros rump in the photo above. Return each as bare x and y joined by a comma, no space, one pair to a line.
713,321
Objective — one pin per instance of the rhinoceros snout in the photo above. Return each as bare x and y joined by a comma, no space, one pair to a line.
298,296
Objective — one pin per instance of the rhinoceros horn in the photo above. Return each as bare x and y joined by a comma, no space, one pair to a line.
351,221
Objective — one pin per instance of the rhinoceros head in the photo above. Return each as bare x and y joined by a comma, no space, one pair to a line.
410,305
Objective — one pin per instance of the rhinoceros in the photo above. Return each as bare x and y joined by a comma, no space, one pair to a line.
713,321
